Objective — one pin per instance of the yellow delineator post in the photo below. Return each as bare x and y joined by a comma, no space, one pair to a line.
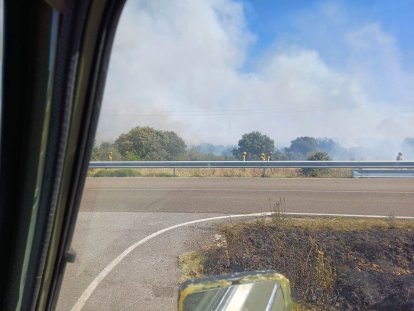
110,156
244,154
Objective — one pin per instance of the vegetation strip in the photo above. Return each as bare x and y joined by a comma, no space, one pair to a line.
144,143
223,172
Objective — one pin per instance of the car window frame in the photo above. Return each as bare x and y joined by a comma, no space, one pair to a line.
67,125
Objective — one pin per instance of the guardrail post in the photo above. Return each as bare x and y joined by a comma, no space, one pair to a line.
173,171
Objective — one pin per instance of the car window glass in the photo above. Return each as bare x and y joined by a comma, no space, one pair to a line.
249,83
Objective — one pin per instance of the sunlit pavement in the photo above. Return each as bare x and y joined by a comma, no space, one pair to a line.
111,220
147,279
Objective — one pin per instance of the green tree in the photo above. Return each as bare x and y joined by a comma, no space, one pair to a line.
146,143
101,152
254,144
319,156
174,145
316,172
279,156
302,147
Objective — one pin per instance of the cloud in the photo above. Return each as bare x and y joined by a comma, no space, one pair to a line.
178,65
172,56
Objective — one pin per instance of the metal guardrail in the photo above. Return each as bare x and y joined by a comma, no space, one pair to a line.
382,173
253,164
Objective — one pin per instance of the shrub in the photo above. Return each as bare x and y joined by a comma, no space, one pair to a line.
317,172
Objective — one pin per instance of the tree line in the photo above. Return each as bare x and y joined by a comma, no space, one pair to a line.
146,143
142,144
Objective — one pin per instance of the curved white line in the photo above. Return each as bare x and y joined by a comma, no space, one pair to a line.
80,303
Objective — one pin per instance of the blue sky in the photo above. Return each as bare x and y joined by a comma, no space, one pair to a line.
212,70
271,21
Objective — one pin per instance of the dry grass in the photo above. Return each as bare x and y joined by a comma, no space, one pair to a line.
215,172
316,254
343,224
191,265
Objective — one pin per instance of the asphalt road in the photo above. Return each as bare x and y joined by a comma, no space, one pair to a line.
249,195
117,212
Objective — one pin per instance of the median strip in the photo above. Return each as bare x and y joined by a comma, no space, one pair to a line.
332,263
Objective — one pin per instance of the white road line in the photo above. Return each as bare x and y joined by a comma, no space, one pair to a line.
80,303
251,190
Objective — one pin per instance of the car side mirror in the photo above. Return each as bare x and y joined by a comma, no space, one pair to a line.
257,290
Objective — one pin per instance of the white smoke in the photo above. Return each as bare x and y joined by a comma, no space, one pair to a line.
178,65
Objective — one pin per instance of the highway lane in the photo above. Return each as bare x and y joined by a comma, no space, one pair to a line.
117,212
249,195
148,278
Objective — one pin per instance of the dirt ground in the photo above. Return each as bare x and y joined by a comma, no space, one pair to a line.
331,264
